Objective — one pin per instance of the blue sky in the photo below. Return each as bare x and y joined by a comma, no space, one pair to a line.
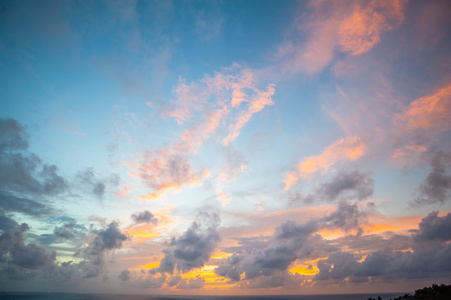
224,147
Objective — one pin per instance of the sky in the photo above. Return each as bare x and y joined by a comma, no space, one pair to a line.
225,147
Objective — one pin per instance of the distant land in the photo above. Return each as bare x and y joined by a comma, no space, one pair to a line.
435,292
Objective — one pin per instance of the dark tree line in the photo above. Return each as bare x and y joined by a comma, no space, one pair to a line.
435,292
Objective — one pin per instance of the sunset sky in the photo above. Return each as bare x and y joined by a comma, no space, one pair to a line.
225,147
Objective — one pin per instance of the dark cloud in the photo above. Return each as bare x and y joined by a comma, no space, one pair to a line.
194,247
342,187
291,241
105,240
436,187
346,216
66,231
6,223
353,185
124,275
25,181
23,260
422,260
278,279
144,217
97,186
12,136
427,262
434,227
9,202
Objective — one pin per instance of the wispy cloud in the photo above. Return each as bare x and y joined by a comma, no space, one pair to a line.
353,27
229,98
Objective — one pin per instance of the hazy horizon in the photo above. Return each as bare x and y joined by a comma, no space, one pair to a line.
241,147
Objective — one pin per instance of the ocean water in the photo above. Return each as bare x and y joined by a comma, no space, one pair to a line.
64,296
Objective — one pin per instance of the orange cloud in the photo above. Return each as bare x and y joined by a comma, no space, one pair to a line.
257,103
408,154
143,232
331,28
360,32
349,149
431,113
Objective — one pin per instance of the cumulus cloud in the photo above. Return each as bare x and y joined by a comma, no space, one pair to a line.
66,231
105,240
433,227
23,260
194,247
144,217
291,241
428,256
354,185
436,187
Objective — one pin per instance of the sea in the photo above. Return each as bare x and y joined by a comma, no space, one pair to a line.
68,296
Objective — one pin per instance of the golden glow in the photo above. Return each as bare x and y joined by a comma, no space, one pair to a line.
143,232
307,267
220,255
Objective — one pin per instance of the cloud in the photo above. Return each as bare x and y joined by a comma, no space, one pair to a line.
360,32
283,279
433,227
23,260
25,181
354,185
236,164
13,136
173,280
144,217
97,186
194,247
30,207
257,103
290,242
105,240
429,256
193,283
6,223
228,98
124,275
352,27
429,113
66,231
437,185
348,149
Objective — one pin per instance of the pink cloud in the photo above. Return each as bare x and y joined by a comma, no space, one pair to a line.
348,149
229,97
430,113
353,27
360,32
